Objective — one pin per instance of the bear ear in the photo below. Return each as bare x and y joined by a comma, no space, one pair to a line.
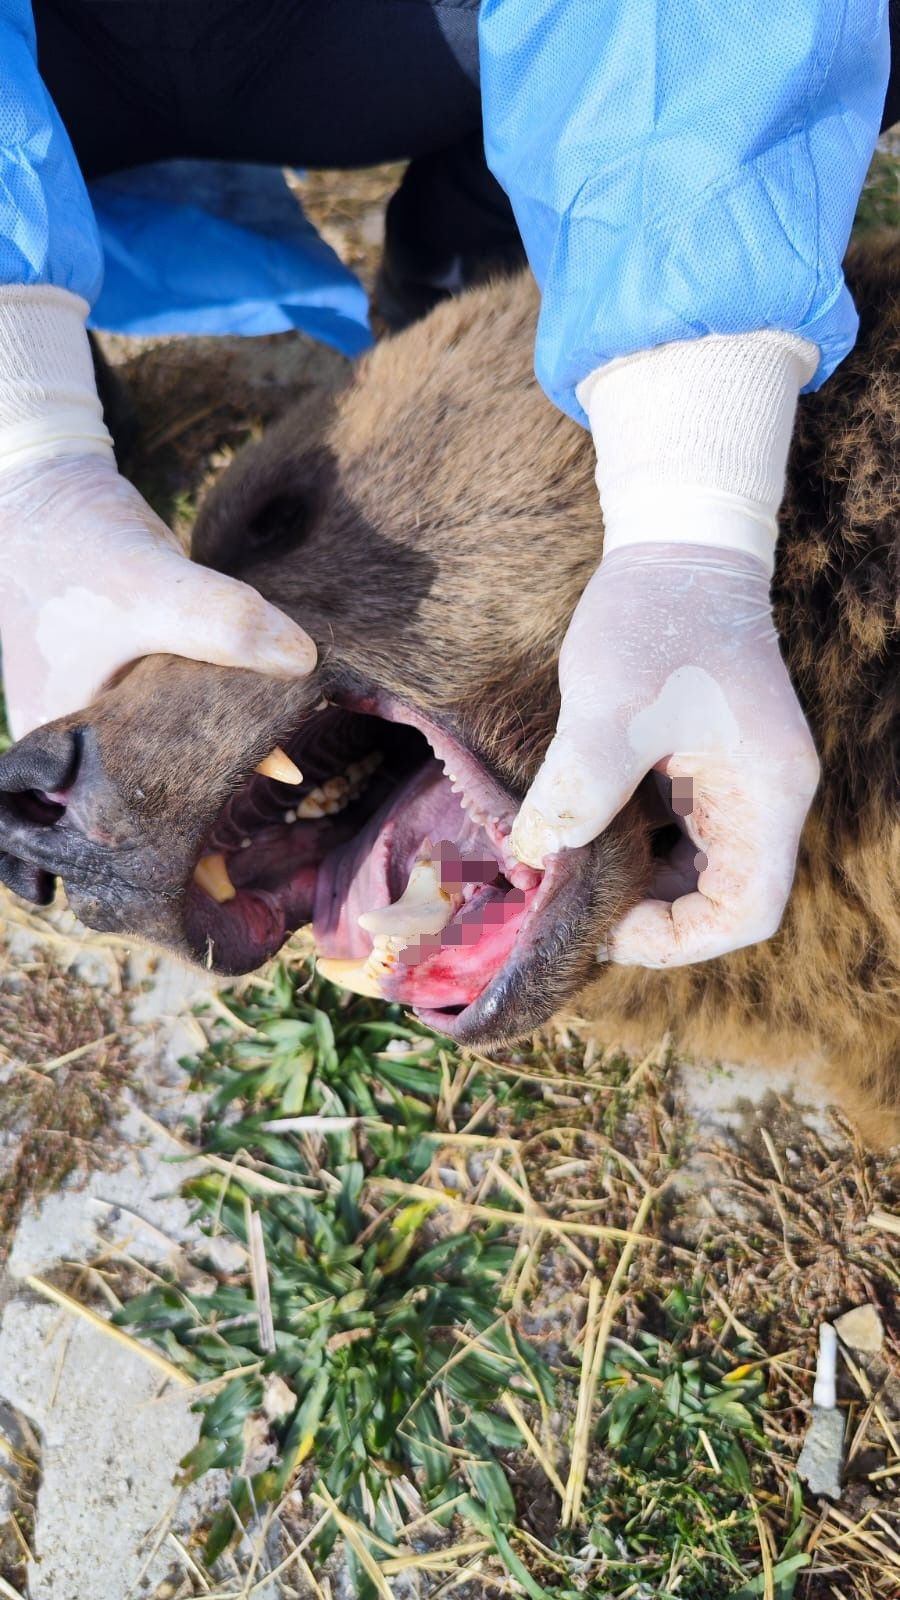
245,519
279,521
267,498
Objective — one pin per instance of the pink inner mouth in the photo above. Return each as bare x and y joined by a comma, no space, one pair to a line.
450,968
330,870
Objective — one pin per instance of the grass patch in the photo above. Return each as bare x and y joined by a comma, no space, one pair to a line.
20,1478
681,1442
385,1349
430,1325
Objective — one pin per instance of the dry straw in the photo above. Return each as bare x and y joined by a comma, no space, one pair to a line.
596,1337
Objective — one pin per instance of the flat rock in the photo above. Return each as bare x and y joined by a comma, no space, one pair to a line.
820,1460
861,1329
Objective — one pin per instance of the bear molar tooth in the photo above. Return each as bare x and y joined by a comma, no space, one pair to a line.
312,805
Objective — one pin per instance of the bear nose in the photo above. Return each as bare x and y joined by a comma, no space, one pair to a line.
44,764
35,776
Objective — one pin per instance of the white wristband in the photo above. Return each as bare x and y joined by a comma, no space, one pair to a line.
692,439
48,398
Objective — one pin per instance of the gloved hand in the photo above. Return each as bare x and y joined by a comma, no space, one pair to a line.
90,578
672,662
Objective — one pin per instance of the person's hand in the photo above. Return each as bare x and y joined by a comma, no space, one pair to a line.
671,662
90,579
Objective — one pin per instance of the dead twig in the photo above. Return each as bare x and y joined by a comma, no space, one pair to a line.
259,1274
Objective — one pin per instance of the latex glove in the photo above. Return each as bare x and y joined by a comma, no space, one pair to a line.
90,578
671,661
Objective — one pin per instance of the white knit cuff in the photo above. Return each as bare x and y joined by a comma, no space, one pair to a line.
48,396
692,439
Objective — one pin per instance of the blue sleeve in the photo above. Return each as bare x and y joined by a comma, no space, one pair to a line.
682,168
47,228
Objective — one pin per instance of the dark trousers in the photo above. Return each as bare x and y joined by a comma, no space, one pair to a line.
306,83
892,102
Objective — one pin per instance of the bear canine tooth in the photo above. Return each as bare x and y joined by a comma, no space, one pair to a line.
211,873
425,907
279,766
350,975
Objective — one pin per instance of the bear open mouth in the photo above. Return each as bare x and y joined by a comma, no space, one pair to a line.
395,848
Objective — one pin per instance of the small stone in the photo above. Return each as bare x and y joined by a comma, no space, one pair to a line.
260,1448
198,1284
226,1255
279,1399
861,1329
819,1462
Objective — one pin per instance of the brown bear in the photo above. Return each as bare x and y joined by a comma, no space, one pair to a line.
433,530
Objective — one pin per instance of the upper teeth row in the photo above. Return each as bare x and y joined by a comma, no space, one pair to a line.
483,819
473,812
335,793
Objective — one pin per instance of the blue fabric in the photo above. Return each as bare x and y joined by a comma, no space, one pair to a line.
47,228
190,247
219,247
675,169
682,168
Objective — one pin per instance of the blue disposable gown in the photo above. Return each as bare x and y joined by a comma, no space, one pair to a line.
677,167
